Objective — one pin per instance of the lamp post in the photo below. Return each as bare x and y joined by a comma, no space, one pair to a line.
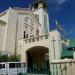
20,48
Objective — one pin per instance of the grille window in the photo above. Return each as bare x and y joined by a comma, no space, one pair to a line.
12,65
18,64
2,66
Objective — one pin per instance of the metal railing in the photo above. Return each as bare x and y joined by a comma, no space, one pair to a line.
34,69
57,67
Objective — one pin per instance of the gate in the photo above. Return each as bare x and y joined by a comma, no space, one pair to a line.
57,67
34,70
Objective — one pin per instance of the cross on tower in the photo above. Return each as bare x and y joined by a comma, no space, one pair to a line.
53,46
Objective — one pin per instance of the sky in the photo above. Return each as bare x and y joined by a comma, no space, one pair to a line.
61,10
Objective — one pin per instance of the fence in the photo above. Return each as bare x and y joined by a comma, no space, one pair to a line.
57,67
63,67
35,70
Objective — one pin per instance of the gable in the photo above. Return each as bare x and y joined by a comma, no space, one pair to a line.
27,22
26,12
2,22
4,16
31,25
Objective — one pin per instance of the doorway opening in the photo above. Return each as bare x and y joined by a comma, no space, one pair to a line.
37,59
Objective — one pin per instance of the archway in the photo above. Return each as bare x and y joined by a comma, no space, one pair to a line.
37,57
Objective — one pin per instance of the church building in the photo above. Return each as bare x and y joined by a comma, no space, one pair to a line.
26,32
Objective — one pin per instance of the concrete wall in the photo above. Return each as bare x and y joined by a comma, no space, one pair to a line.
63,67
2,36
23,47
41,12
55,45
3,29
14,27
11,31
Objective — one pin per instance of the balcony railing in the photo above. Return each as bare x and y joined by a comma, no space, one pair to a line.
38,38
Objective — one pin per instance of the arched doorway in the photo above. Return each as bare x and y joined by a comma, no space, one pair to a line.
37,59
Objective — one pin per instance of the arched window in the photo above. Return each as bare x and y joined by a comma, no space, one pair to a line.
25,27
28,27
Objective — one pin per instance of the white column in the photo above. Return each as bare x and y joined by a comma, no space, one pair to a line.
23,52
55,45
74,55
24,57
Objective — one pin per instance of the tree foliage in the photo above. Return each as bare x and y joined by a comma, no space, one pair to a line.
11,58
3,58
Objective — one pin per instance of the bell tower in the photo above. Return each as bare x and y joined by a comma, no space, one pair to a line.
40,11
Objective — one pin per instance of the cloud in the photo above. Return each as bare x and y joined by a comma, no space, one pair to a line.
56,5
61,1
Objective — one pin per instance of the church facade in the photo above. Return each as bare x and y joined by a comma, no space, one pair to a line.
18,22
25,31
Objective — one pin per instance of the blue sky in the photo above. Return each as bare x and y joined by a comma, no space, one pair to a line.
61,10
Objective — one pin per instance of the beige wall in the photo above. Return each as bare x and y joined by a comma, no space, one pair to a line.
41,12
2,36
11,31
55,46
63,67
23,47
14,29
3,29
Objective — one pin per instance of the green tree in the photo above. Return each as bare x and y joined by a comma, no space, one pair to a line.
12,58
15,58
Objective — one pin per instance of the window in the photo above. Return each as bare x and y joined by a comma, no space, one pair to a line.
37,17
24,35
37,32
2,66
36,6
27,36
11,65
31,35
18,65
45,24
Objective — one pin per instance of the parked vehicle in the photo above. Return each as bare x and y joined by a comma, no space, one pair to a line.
12,68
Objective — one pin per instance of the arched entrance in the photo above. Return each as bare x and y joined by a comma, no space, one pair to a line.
37,59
